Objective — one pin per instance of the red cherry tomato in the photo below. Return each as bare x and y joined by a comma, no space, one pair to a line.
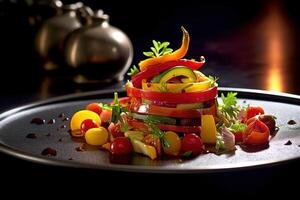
253,111
268,120
121,146
94,107
191,142
238,137
88,124
114,129
257,133
105,115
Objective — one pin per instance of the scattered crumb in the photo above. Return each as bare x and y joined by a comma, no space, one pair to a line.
60,140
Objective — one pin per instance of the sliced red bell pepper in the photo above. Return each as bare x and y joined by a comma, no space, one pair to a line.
165,127
156,69
169,97
257,133
172,112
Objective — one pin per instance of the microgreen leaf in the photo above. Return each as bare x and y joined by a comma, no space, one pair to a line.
134,70
213,80
158,49
238,127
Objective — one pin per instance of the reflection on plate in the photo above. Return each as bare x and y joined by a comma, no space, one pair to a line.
49,141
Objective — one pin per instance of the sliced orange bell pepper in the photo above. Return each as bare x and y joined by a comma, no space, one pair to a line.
178,54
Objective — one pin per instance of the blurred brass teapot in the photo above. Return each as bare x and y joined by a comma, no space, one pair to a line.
51,35
98,52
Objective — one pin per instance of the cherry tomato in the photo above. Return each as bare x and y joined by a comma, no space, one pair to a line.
253,111
96,136
88,124
268,120
78,118
105,115
114,129
94,107
238,137
121,146
174,143
257,133
191,142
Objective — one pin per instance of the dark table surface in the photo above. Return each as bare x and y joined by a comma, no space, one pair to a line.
250,44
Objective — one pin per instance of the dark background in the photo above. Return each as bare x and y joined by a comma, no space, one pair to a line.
248,44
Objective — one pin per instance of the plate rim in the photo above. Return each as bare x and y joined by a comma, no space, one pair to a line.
260,94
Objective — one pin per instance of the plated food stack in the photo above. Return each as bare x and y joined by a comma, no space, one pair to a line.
170,91
171,109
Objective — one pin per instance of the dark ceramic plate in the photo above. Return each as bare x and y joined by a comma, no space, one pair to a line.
15,126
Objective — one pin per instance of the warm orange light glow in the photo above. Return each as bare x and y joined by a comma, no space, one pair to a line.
275,36
275,63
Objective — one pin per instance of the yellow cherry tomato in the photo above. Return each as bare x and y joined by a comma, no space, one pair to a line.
174,143
79,117
96,136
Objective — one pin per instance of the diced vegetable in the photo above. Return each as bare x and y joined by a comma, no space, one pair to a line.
208,129
257,133
148,150
94,107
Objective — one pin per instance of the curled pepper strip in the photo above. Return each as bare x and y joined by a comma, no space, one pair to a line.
179,53
158,68
170,97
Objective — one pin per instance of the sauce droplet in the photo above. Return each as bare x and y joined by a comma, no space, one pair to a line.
48,135
49,152
66,119
31,136
61,115
51,121
288,142
37,121
291,122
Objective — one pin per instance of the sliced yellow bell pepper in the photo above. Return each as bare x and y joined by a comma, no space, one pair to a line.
176,87
179,53
140,147
208,129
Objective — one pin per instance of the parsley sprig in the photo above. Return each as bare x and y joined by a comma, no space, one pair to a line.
158,49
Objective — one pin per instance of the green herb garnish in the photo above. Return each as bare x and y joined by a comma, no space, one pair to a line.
133,70
238,127
229,106
118,113
158,49
213,80
159,133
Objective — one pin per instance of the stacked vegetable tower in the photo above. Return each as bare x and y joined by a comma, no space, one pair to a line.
169,92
